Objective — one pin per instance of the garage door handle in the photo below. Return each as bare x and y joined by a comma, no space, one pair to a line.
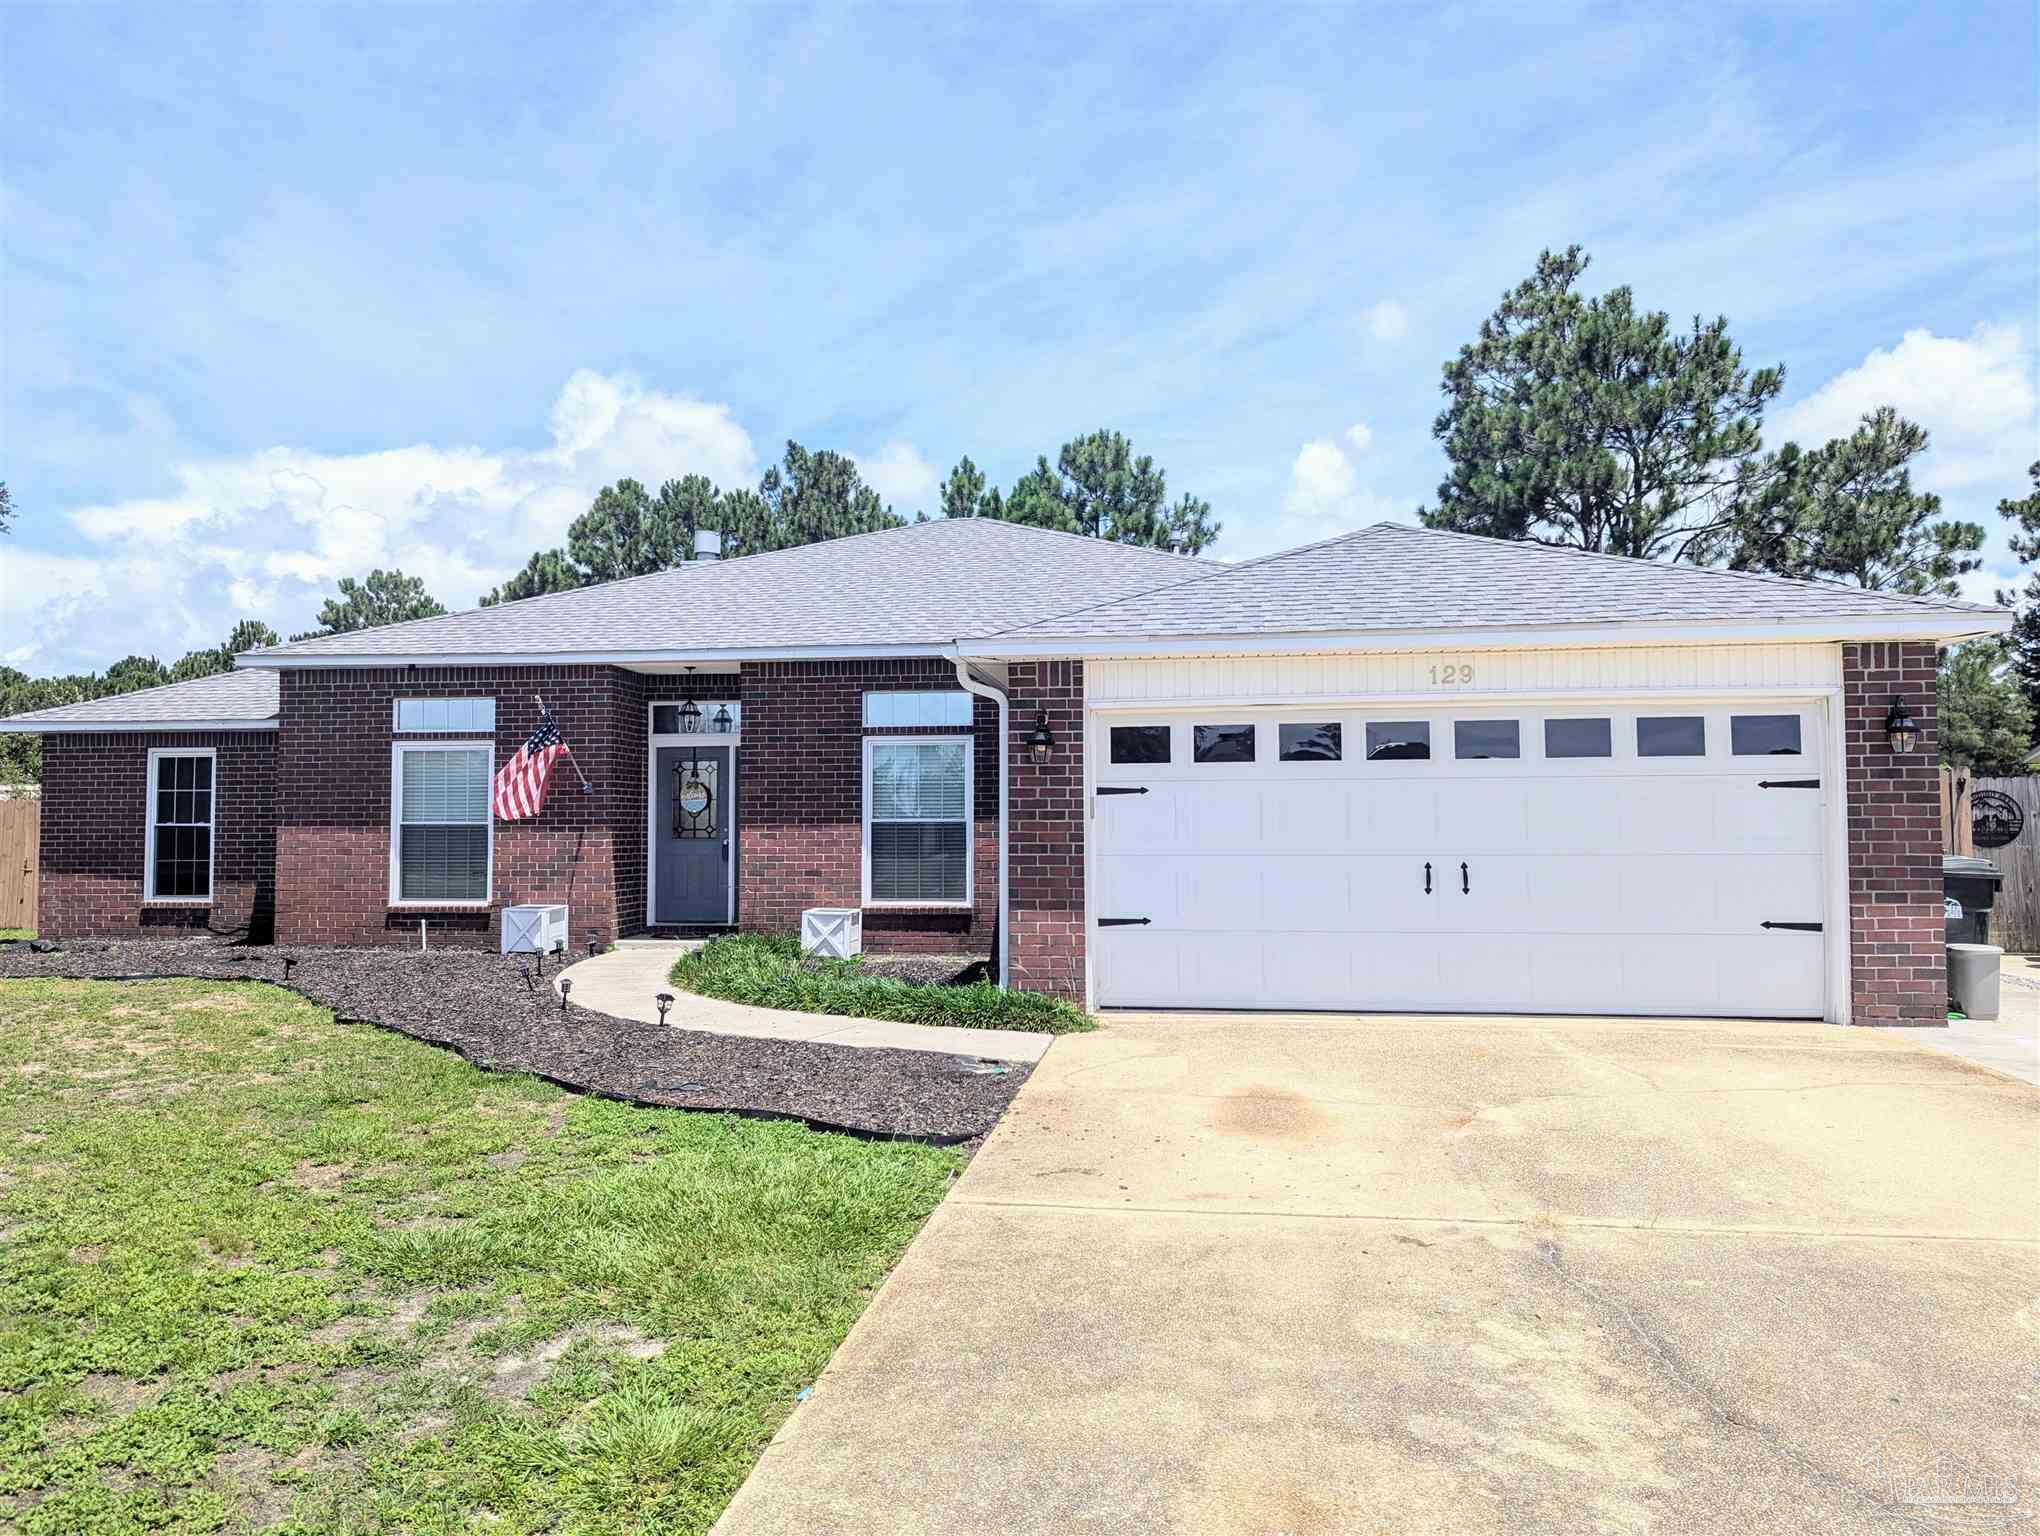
1788,783
1465,885
1427,879
1796,927
1122,789
1124,922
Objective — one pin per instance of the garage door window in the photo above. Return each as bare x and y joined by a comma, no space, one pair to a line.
917,820
1223,744
1671,736
1140,743
1764,735
1310,743
1398,740
1578,738
1475,739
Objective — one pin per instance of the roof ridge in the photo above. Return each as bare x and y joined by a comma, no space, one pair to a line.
1767,577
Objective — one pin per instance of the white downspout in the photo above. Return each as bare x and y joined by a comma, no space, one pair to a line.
997,695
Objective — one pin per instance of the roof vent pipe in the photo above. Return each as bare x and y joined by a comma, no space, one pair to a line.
707,544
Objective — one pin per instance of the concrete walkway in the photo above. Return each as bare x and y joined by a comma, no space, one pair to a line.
2009,1043
1226,1275
626,981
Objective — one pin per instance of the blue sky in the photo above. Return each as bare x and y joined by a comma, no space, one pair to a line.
292,291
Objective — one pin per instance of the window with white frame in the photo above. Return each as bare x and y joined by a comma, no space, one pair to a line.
180,851
440,822
917,793
463,717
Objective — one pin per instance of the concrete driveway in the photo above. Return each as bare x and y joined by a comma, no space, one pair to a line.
1221,1273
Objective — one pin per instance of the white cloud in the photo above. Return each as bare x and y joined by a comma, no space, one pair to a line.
1385,322
1974,396
1328,494
267,534
907,482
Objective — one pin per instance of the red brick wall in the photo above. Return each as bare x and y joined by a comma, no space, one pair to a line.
95,805
1045,831
333,794
800,795
1896,935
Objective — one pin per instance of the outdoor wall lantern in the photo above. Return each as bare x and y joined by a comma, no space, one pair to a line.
690,717
1900,726
1040,740
722,720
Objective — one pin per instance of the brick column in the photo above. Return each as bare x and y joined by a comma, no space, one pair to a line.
1898,962
1045,831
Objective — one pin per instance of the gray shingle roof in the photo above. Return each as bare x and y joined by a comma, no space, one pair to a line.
1392,576
923,585
229,699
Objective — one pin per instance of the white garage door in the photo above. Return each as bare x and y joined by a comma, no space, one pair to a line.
1656,860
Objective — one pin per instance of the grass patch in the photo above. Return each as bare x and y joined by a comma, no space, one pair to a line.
772,973
262,1271
16,933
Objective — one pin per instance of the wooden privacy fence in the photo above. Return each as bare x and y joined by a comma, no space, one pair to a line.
20,837
2015,920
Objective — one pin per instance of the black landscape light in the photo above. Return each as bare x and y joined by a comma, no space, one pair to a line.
665,1001
566,986
288,962
1900,726
594,943
1040,740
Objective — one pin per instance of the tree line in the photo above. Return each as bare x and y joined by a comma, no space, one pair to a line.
1574,420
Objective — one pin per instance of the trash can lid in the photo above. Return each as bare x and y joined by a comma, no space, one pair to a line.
1968,864
1975,949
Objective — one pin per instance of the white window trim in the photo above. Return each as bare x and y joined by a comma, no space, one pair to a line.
156,755
436,744
951,738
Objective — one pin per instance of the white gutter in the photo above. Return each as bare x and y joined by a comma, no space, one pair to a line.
997,695
108,727
1870,630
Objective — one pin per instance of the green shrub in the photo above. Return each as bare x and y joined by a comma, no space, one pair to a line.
772,973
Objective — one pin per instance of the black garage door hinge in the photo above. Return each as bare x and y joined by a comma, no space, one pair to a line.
1122,789
1788,783
1124,922
1796,927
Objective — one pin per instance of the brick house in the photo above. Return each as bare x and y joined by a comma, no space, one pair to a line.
1398,770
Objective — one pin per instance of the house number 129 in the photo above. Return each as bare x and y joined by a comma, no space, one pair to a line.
1452,674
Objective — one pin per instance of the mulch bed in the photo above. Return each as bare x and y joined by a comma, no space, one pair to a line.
498,1015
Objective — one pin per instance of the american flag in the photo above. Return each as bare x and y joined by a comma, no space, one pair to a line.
521,782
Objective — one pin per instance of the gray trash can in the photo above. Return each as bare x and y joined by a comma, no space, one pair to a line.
1973,979
1971,883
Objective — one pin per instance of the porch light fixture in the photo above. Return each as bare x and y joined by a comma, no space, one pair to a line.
722,720
1900,726
690,718
1040,740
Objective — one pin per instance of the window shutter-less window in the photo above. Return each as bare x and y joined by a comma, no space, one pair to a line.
919,804
443,837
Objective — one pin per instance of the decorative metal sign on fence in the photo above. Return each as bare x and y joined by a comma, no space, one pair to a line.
1995,818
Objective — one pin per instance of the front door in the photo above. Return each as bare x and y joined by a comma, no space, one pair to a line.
694,829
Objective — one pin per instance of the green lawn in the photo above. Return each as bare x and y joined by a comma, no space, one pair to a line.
260,1270
16,933
772,973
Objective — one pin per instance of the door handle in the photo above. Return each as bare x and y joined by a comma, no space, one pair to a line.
1465,885
1427,878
